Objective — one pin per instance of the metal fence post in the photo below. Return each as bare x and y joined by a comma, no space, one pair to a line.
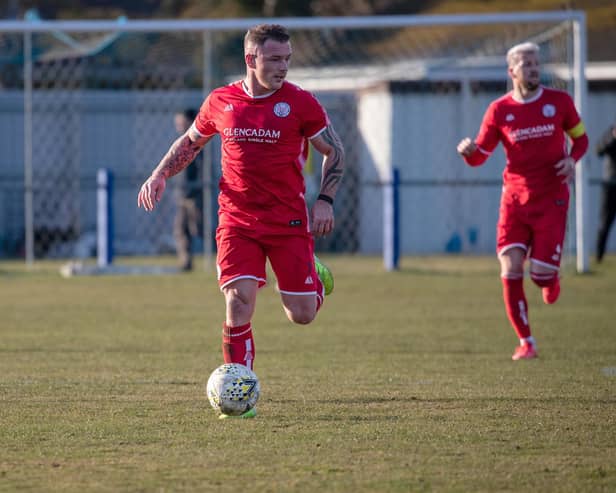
104,217
391,222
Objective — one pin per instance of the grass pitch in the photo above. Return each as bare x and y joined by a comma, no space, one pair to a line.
403,383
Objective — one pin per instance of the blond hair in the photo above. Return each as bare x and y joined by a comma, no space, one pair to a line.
515,51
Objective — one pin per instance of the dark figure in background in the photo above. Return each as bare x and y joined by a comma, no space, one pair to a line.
189,198
606,148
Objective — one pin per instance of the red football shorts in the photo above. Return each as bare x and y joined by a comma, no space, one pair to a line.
537,224
242,254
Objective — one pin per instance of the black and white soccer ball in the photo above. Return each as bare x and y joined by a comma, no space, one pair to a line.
233,389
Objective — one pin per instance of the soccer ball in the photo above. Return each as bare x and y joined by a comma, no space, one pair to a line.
233,389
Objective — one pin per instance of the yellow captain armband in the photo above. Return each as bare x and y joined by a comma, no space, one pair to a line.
577,131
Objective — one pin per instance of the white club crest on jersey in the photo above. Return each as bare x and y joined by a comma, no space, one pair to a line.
549,110
509,117
282,109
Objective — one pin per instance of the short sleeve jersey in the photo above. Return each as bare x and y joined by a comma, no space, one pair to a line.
533,137
264,147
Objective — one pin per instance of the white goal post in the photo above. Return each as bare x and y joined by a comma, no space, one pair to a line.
336,76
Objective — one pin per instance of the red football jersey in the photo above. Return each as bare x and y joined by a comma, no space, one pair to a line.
264,148
533,135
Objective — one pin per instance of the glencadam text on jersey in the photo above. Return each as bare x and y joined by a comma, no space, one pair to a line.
532,132
251,132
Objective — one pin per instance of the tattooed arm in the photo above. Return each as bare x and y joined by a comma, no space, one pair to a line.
181,153
327,143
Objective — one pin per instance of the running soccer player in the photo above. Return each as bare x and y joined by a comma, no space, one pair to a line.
266,125
531,121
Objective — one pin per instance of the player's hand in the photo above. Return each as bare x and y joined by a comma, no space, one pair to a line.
322,220
151,192
466,147
566,168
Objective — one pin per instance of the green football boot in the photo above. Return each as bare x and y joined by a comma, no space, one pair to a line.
251,413
327,279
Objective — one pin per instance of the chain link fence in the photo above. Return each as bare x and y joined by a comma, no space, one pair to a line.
75,98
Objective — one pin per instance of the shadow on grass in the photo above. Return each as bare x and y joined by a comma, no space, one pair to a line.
440,400
432,272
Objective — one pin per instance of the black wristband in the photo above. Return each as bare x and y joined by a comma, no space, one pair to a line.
325,198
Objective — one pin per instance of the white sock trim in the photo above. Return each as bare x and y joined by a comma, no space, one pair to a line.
228,334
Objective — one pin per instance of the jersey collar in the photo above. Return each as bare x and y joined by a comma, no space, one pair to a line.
526,101
247,92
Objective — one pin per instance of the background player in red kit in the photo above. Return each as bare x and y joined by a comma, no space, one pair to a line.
531,121
265,124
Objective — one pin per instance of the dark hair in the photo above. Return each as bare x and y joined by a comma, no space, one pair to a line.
261,33
189,113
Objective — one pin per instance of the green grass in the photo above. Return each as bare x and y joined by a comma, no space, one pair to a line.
404,383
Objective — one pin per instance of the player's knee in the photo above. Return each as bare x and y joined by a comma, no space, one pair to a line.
512,270
301,317
237,303
300,309
512,273
512,263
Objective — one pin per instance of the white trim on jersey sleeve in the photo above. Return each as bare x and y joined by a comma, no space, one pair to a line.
318,133
483,151
194,127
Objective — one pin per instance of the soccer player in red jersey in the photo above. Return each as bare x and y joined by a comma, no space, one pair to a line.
266,125
531,122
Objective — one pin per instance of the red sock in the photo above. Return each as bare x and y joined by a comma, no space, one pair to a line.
516,305
238,346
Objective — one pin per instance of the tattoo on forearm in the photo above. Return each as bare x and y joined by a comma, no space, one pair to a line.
334,162
181,153
332,177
